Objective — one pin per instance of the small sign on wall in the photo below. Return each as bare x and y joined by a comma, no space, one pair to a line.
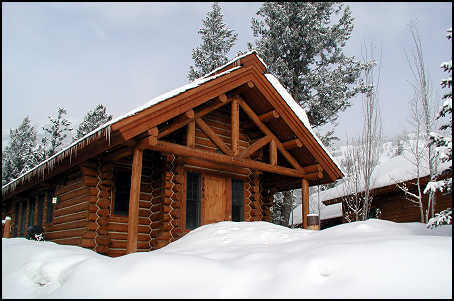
54,200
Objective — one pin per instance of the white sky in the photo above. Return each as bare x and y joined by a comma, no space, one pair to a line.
77,55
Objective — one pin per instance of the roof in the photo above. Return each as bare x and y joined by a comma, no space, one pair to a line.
123,128
391,170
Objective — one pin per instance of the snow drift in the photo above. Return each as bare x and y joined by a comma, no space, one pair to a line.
371,259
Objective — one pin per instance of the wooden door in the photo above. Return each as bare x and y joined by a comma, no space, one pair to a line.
214,199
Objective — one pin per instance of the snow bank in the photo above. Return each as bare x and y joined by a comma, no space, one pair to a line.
371,259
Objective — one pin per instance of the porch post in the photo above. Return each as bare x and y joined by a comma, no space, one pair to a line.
134,195
7,227
304,201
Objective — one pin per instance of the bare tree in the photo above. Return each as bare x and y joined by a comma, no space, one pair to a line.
364,154
423,118
352,186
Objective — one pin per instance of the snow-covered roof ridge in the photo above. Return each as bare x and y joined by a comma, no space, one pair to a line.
104,129
233,61
300,113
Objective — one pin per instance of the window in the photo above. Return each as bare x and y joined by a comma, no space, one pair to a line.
31,212
122,188
39,221
193,194
50,206
237,200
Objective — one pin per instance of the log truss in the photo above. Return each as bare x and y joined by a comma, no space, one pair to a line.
231,156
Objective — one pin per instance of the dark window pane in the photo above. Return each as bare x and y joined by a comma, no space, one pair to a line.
31,213
237,200
122,189
193,194
50,206
39,221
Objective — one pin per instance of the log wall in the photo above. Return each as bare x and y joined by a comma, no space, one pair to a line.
394,207
70,214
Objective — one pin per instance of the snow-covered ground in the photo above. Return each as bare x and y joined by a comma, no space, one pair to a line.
370,259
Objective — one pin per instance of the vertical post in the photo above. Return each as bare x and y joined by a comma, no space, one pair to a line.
190,134
273,152
304,201
7,227
134,195
235,126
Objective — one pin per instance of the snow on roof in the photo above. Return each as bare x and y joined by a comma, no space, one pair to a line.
105,129
390,171
300,113
234,60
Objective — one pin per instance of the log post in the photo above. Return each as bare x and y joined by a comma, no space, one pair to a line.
190,134
134,195
7,227
304,201
235,127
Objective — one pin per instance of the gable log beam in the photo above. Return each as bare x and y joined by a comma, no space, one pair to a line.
166,110
273,152
255,147
235,126
190,134
268,132
269,115
212,135
184,151
292,143
179,122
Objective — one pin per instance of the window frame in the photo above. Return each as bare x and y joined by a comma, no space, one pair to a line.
198,202
236,180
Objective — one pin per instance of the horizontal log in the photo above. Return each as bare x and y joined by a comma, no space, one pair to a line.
184,151
74,241
69,218
90,181
124,236
87,243
65,233
144,221
69,187
118,219
116,252
121,244
67,226
89,234
103,240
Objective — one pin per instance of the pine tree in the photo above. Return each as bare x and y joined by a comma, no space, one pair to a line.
20,155
217,40
443,145
56,132
92,120
302,46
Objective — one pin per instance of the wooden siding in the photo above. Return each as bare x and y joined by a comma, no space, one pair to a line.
394,207
70,214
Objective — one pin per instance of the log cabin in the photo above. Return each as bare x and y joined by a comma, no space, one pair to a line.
390,202
216,149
